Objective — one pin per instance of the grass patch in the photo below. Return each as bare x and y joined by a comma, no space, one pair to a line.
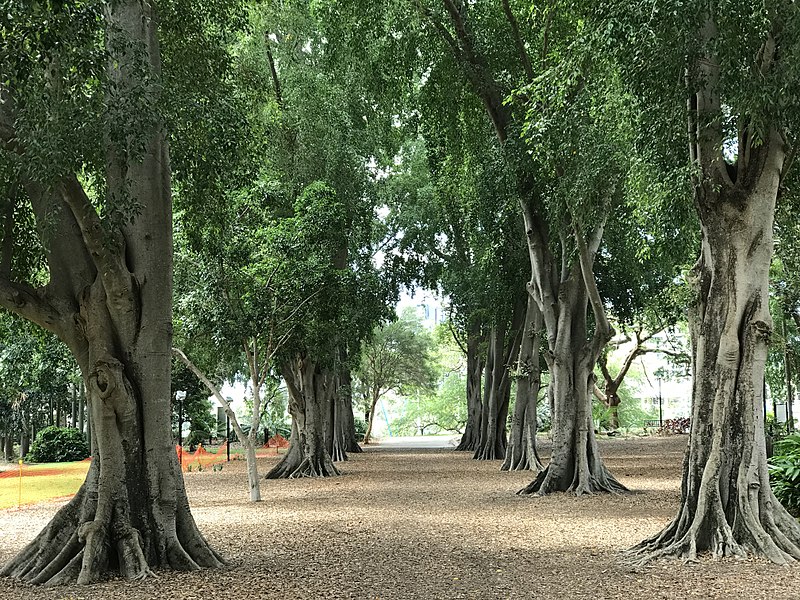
42,482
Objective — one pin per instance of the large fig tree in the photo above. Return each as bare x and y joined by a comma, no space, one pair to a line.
737,93
86,176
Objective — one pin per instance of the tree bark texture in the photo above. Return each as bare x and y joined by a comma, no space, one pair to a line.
727,505
575,463
521,452
109,300
504,344
475,365
310,388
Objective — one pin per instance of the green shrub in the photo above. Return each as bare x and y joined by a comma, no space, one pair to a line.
784,472
58,444
361,428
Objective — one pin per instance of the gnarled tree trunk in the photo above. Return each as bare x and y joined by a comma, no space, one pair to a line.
109,300
471,436
521,452
575,463
504,343
727,505
310,394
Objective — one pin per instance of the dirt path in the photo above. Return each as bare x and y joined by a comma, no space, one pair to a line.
429,524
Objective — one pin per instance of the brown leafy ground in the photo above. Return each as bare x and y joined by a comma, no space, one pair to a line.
429,524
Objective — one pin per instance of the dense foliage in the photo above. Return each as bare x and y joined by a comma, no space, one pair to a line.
784,472
58,444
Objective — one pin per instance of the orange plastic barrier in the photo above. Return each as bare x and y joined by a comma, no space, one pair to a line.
277,441
200,458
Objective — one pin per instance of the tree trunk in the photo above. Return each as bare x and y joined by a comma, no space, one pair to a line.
310,393
471,437
521,452
610,399
727,505
342,424
8,447
73,413
503,348
371,420
81,408
348,422
575,463
109,300
613,402
132,513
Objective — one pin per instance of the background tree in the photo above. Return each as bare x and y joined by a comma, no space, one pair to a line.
397,358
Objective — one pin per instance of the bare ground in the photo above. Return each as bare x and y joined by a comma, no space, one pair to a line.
426,523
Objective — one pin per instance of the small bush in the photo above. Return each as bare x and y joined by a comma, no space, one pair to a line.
784,473
58,444
361,428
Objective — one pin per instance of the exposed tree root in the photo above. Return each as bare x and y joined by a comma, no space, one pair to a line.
338,453
354,448
295,465
80,545
522,460
489,451
467,444
587,483
754,523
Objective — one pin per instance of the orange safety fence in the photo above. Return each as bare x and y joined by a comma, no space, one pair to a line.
273,446
200,458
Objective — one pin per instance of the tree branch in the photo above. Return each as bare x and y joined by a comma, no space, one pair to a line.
603,330
215,392
107,257
455,337
276,83
28,303
542,286
523,53
446,36
598,393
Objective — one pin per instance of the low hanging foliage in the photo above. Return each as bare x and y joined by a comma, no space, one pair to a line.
784,473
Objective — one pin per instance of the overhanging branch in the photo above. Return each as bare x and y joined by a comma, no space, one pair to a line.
25,301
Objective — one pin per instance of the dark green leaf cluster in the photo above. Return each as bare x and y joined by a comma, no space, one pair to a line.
784,473
58,444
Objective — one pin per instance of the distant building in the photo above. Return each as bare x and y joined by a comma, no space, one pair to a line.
428,307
